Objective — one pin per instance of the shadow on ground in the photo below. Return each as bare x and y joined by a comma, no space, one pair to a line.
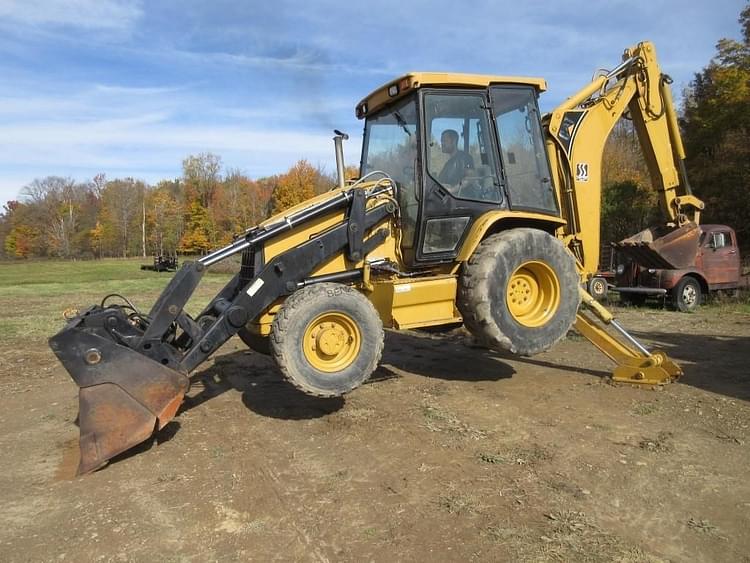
712,362
265,392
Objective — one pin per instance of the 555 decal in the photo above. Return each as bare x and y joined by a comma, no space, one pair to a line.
582,172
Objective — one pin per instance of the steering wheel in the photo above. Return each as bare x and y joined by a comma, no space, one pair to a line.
472,188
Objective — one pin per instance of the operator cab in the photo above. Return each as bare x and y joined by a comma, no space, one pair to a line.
458,146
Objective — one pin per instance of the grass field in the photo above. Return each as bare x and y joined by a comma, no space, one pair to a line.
33,295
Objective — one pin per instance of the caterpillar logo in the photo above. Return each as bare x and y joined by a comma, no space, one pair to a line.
582,172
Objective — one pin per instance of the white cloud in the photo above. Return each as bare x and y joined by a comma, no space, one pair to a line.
150,148
87,14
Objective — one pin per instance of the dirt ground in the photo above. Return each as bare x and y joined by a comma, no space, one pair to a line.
448,454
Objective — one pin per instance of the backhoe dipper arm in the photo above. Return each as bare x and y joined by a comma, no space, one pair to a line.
578,130
577,133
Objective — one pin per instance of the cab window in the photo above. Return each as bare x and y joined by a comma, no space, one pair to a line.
458,146
720,240
522,147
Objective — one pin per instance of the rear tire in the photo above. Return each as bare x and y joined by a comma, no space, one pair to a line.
327,339
686,295
519,291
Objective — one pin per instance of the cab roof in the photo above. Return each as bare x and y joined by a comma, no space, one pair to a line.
411,81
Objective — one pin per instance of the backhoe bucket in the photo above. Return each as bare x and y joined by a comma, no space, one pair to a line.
124,396
663,248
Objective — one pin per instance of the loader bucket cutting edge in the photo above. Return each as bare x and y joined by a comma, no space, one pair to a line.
124,396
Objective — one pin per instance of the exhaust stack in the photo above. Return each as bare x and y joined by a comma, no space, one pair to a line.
338,143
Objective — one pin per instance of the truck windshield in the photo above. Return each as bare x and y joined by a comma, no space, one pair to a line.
390,146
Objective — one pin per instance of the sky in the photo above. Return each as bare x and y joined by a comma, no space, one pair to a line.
130,88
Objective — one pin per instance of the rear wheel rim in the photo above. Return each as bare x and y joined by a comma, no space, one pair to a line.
332,342
533,294
689,295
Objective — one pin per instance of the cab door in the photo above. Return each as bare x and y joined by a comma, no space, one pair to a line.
462,179
522,149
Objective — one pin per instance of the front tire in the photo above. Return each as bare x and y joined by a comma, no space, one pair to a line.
327,339
519,291
686,295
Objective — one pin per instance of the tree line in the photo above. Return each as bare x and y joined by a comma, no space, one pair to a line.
207,206
204,208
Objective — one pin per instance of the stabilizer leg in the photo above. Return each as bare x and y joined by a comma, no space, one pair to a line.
635,364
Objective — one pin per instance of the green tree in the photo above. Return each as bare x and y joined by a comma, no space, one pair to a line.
629,203
716,125
628,207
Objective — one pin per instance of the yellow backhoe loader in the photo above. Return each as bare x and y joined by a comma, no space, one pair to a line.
470,208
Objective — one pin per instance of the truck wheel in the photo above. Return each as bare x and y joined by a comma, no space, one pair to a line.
256,342
519,291
597,287
686,295
327,339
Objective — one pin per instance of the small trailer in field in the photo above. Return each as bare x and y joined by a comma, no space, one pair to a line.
162,264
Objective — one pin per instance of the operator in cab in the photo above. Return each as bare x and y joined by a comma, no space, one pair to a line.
458,162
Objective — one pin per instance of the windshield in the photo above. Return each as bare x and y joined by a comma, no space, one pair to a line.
390,146
391,140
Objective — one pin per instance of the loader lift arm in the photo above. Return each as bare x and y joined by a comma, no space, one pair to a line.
133,369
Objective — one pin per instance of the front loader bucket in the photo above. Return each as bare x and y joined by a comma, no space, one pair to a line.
124,395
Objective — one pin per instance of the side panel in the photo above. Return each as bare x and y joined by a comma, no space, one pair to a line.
338,263
412,303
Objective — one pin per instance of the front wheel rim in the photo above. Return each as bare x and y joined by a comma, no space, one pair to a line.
332,342
533,294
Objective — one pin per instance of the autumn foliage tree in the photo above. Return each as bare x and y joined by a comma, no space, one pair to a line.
294,187
197,237
198,211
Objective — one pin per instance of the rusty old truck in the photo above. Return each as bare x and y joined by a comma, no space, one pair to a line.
683,265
